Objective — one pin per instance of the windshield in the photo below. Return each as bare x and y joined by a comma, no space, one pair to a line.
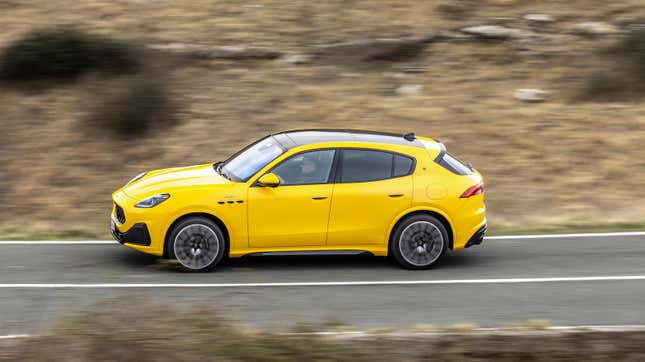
251,160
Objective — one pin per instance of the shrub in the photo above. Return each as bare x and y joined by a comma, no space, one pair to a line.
633,47
625,75
133,106
609,86
63,53
456,9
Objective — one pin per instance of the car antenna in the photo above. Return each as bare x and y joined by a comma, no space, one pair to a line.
410,137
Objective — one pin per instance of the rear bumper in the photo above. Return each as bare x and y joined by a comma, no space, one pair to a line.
478,237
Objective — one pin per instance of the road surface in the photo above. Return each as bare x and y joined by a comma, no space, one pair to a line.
581,280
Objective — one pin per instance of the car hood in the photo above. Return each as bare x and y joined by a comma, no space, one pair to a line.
159,181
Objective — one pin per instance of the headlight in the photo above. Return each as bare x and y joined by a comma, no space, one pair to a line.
135,178
152,201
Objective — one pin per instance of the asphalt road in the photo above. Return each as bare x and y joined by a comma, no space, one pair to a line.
500,282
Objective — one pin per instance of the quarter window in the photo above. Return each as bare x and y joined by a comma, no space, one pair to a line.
305,168
453,164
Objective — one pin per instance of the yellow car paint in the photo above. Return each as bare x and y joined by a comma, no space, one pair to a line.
329,216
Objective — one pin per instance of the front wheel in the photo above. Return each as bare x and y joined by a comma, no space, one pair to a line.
418,242
197,243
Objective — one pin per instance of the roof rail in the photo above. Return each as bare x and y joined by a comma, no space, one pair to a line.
345,130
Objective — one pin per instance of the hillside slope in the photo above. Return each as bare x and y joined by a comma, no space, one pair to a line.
549,164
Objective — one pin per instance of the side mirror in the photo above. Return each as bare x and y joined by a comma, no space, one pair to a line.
269,180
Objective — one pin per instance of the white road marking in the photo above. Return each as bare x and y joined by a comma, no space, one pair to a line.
499,237
320,284
57,242
558,236
515,330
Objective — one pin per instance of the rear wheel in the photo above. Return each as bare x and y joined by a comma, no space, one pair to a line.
419,242
197,243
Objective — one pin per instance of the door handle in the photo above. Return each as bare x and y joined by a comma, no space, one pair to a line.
319,197
395,195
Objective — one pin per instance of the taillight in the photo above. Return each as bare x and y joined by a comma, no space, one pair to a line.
474,190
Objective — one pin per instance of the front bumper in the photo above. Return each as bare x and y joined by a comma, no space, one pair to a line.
138,234
478,237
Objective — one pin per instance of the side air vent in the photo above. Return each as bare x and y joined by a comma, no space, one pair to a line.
119,214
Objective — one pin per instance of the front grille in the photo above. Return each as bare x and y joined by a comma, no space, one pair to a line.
120,215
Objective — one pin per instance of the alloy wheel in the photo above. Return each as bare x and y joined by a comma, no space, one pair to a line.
421,243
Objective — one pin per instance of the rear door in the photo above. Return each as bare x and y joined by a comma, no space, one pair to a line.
372,188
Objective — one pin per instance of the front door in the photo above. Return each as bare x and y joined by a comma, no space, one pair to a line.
296,212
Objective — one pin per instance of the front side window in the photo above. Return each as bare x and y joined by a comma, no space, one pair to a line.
251,160
307,168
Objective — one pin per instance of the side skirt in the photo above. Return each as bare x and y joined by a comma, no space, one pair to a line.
312,253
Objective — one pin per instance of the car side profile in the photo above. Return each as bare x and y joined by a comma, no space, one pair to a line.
310,191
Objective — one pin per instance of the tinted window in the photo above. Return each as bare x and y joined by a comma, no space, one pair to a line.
402,165
305,168
365,165
451,163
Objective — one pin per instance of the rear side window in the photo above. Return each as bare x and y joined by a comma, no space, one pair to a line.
371,165
452,164
402,165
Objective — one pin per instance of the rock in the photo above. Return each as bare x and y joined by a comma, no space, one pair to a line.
530,95
538,18
375,49
450,35
498,32
216,52
409,89
594,28
297,58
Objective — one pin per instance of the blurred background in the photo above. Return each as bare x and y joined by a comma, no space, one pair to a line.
545,98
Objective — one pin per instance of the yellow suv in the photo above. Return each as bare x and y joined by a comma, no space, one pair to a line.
308,191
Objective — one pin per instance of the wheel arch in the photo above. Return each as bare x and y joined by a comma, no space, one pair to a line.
205,215
439,215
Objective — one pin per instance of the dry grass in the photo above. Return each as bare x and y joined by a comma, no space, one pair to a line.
152,332
557,163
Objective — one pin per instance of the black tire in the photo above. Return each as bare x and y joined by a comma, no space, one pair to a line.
197,243
419,242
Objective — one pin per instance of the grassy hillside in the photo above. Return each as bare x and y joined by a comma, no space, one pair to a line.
547,165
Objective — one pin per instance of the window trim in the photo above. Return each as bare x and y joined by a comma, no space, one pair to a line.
339,172
332,171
